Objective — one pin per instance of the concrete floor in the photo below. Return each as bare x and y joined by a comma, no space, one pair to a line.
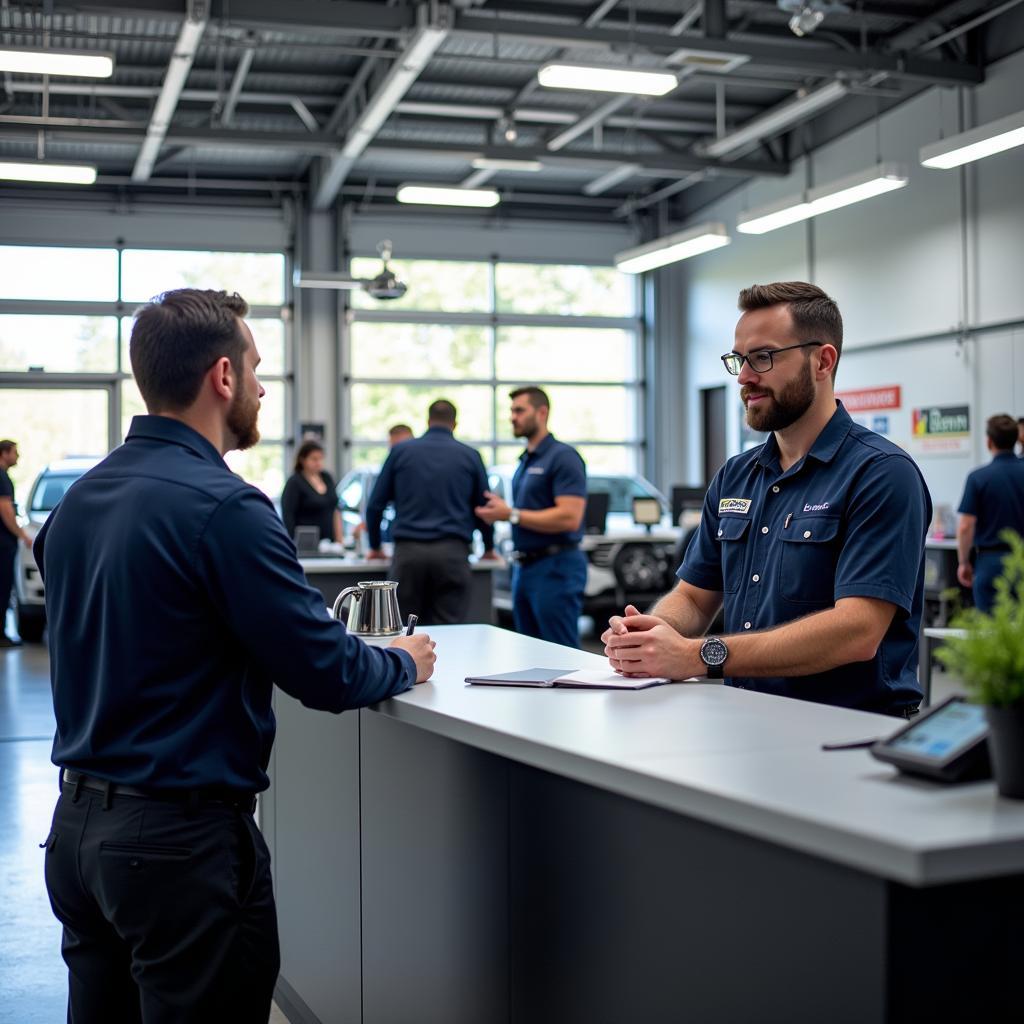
33,980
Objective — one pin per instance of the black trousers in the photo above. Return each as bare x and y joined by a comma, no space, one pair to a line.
168,912
7,556
434,579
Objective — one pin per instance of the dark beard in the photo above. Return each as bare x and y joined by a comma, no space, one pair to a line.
241,422
785,408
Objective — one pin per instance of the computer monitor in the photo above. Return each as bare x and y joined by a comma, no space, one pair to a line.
685,498
646,511
595,518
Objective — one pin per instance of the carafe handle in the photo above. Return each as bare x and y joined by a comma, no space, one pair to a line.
339,601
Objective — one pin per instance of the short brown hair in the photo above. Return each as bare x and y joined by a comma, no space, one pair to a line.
400,428
538,396
305,450
442,411
6,446
1001,430
815,314
177,337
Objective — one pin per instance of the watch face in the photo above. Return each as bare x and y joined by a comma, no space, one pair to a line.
713,651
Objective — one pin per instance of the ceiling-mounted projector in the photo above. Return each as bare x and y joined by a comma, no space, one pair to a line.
384,286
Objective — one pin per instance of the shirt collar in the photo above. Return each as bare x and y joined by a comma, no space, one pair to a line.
1004,455
548,441
163,428
440,430
825,446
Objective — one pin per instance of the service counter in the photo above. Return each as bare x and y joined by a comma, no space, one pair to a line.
684,853
332,575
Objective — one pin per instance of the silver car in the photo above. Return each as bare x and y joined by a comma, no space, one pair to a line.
50,486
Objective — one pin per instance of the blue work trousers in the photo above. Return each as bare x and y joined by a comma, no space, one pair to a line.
547,597
988,566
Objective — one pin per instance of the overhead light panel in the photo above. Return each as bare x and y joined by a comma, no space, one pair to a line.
486,163
61,174
775,120
853,189
672,248
438,195
78,63
706,60
978,143
607,79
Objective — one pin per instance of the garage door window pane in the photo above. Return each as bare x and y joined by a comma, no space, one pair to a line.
419,351
52,272
589,413
564,290
257,276
578,353
272,411
262,466
375,407
58,344
441,286
269,338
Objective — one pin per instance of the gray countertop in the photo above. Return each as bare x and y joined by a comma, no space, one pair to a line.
335,564
748,762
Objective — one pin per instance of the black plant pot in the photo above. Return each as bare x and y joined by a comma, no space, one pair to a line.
1006,748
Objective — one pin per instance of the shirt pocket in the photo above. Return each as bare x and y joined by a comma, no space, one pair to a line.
810,553
732,536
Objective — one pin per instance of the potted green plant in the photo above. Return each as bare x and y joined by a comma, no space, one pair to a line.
989,657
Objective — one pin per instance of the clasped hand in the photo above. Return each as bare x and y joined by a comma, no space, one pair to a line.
644,645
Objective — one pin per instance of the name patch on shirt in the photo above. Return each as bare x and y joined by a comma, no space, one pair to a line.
740,505
816,508
536,470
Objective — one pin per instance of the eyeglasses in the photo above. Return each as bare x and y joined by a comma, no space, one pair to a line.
760,361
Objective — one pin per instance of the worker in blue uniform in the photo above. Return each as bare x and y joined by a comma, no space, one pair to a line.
175,604
549,496
993,501
814,541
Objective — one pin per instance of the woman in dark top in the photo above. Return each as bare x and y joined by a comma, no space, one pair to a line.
309,498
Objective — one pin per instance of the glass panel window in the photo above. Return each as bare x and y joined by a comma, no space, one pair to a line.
257,276
420,351
262,466
376,407
51,424
57,272
590,413
441,286
565,290
609,459
58,344
566,353
131,404
272,410
269,336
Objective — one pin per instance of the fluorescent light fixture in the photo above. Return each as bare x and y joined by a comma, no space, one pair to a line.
867,184
486,163
438,195
775,120
65,174
707,60
607,79
987,140
672,248
80,63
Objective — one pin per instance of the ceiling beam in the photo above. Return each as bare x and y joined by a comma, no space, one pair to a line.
174,81
241,70
821,59
381,105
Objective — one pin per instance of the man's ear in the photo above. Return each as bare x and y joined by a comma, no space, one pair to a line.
222,376
827,359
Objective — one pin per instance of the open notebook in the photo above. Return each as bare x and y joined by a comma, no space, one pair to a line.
602,679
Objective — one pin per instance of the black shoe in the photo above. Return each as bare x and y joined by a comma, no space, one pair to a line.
6,641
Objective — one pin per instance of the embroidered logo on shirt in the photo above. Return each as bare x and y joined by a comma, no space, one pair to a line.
816,508
740,505
536,470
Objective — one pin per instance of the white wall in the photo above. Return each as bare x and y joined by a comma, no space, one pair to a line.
930,279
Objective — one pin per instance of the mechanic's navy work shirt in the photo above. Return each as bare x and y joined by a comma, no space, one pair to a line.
435,482
995,494
175,603
552,470
848,520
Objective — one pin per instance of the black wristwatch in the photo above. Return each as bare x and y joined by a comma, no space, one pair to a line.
713,653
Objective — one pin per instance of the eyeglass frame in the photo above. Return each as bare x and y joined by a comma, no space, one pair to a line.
770,352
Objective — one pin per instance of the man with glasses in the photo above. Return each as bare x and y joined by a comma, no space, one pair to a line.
814,540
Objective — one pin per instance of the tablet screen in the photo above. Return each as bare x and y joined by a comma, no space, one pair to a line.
953,728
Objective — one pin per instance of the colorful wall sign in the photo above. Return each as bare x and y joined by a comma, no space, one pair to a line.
941,429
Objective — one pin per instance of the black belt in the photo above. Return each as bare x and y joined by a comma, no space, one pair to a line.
529,557
74,782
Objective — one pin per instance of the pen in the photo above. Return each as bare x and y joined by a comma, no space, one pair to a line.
410,626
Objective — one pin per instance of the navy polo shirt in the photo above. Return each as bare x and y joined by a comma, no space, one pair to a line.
175,603
847,520
550,471
435,483
995,494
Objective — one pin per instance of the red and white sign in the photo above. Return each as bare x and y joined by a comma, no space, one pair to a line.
870,399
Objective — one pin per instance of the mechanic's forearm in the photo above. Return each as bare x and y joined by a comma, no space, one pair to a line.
682,613
549,520
9,519
964,542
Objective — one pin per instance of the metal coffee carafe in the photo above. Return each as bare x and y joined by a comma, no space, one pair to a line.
373,614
